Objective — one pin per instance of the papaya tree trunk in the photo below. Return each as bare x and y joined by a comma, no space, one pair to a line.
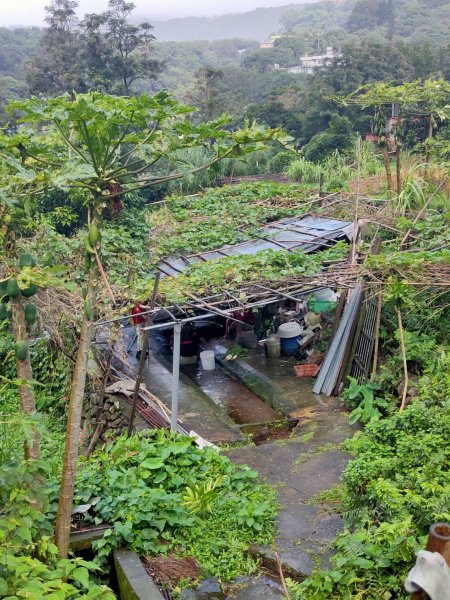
387,167
72,442
24,371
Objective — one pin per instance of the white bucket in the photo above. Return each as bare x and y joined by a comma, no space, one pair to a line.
208,360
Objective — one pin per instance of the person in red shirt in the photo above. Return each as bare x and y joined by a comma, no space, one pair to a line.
138,320
248,320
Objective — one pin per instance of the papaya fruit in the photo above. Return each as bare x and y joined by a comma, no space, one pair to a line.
29,291
87,261
12,288
94,234
21,349
87,310
26,260
30,313
3,286
3,312
89,248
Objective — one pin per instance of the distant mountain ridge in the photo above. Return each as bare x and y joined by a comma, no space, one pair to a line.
257,24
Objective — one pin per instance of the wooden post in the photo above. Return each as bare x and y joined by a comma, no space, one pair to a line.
439,540
321,182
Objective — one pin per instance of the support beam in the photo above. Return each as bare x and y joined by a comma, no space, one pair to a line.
175,375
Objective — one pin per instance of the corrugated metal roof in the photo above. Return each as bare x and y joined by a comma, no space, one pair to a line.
307,233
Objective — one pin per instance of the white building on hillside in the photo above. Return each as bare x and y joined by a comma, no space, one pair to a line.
309,64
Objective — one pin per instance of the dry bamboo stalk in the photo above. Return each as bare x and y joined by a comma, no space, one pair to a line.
280,573
105,279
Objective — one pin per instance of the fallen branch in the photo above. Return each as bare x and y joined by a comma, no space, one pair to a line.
282,579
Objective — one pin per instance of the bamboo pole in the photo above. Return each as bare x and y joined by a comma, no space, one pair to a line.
387,167
377,336
281,575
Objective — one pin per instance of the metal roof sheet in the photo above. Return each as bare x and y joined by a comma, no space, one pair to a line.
305,233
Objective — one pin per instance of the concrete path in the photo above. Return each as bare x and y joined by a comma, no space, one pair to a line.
307,463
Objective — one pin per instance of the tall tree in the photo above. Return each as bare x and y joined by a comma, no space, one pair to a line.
206,94
117,52
57,66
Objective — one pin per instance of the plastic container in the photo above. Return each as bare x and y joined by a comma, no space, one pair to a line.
290,346
208,360
323,295
289,330
247,339
319,306
306,370
273,346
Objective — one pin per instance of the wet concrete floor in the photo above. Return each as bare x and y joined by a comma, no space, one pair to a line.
275,382
196,409
240,403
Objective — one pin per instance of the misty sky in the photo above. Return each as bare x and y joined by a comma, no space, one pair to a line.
31,12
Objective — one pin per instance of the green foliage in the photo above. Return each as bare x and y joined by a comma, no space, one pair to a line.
338,136
304,171
361,397
220,216
199,498
389,478
16,427
266,265
163,494
29,565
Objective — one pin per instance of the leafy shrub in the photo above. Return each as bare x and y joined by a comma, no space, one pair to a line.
281,161
338,136
29,565
143,483
361,397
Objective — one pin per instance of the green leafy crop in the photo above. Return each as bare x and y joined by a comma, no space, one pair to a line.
161,494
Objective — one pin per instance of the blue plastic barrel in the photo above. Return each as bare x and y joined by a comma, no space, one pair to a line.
290,346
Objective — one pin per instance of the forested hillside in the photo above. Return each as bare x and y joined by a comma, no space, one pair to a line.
256,24
378,40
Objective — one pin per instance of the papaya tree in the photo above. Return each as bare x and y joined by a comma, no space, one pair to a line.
12,308
19,277
105,147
